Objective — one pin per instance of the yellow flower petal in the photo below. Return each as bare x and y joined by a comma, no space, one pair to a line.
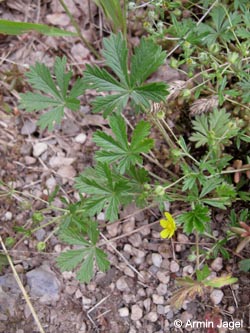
164,223
164,233
169,217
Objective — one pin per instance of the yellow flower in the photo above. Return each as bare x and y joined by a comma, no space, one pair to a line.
168,226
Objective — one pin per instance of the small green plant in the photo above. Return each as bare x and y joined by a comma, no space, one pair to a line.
190,288
122,178
55,95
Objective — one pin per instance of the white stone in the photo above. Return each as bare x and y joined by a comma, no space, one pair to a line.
187,270
136,312
29,160
163,277
217,264
59,161
156,259
231,309
183,239
147,304
128,249
51,183
158,299
39,148
101,217
113,229
86,300
129,225
174,266
152,316
81,138
67,172
121,284
162,289
8,216
216,296
123,312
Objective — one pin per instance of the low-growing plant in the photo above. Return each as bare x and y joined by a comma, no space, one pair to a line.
118,177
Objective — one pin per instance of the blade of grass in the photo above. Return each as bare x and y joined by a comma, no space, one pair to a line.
18,28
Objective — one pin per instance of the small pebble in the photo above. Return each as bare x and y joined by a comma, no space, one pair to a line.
28,128
29,160
156,259
216,296
51,183
121,284
128,271
86,301
157,299
174,266
231,309
162,289
136,312
160,309
113,229
183,239
147,304
8,216
39,148
163,277
187,270
40,234
66,172
152,316
217,264
135,240
19,268
78,294
129,225
101,217
123,312
81,138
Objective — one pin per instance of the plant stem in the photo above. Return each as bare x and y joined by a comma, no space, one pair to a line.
197,250
78,30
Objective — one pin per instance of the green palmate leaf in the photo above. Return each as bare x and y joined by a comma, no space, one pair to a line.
118,149
203,273
18,28
83,259
209,185
115,53
54,94
245,265
212,129
109,103
220,29
195,220
147,58
107,190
